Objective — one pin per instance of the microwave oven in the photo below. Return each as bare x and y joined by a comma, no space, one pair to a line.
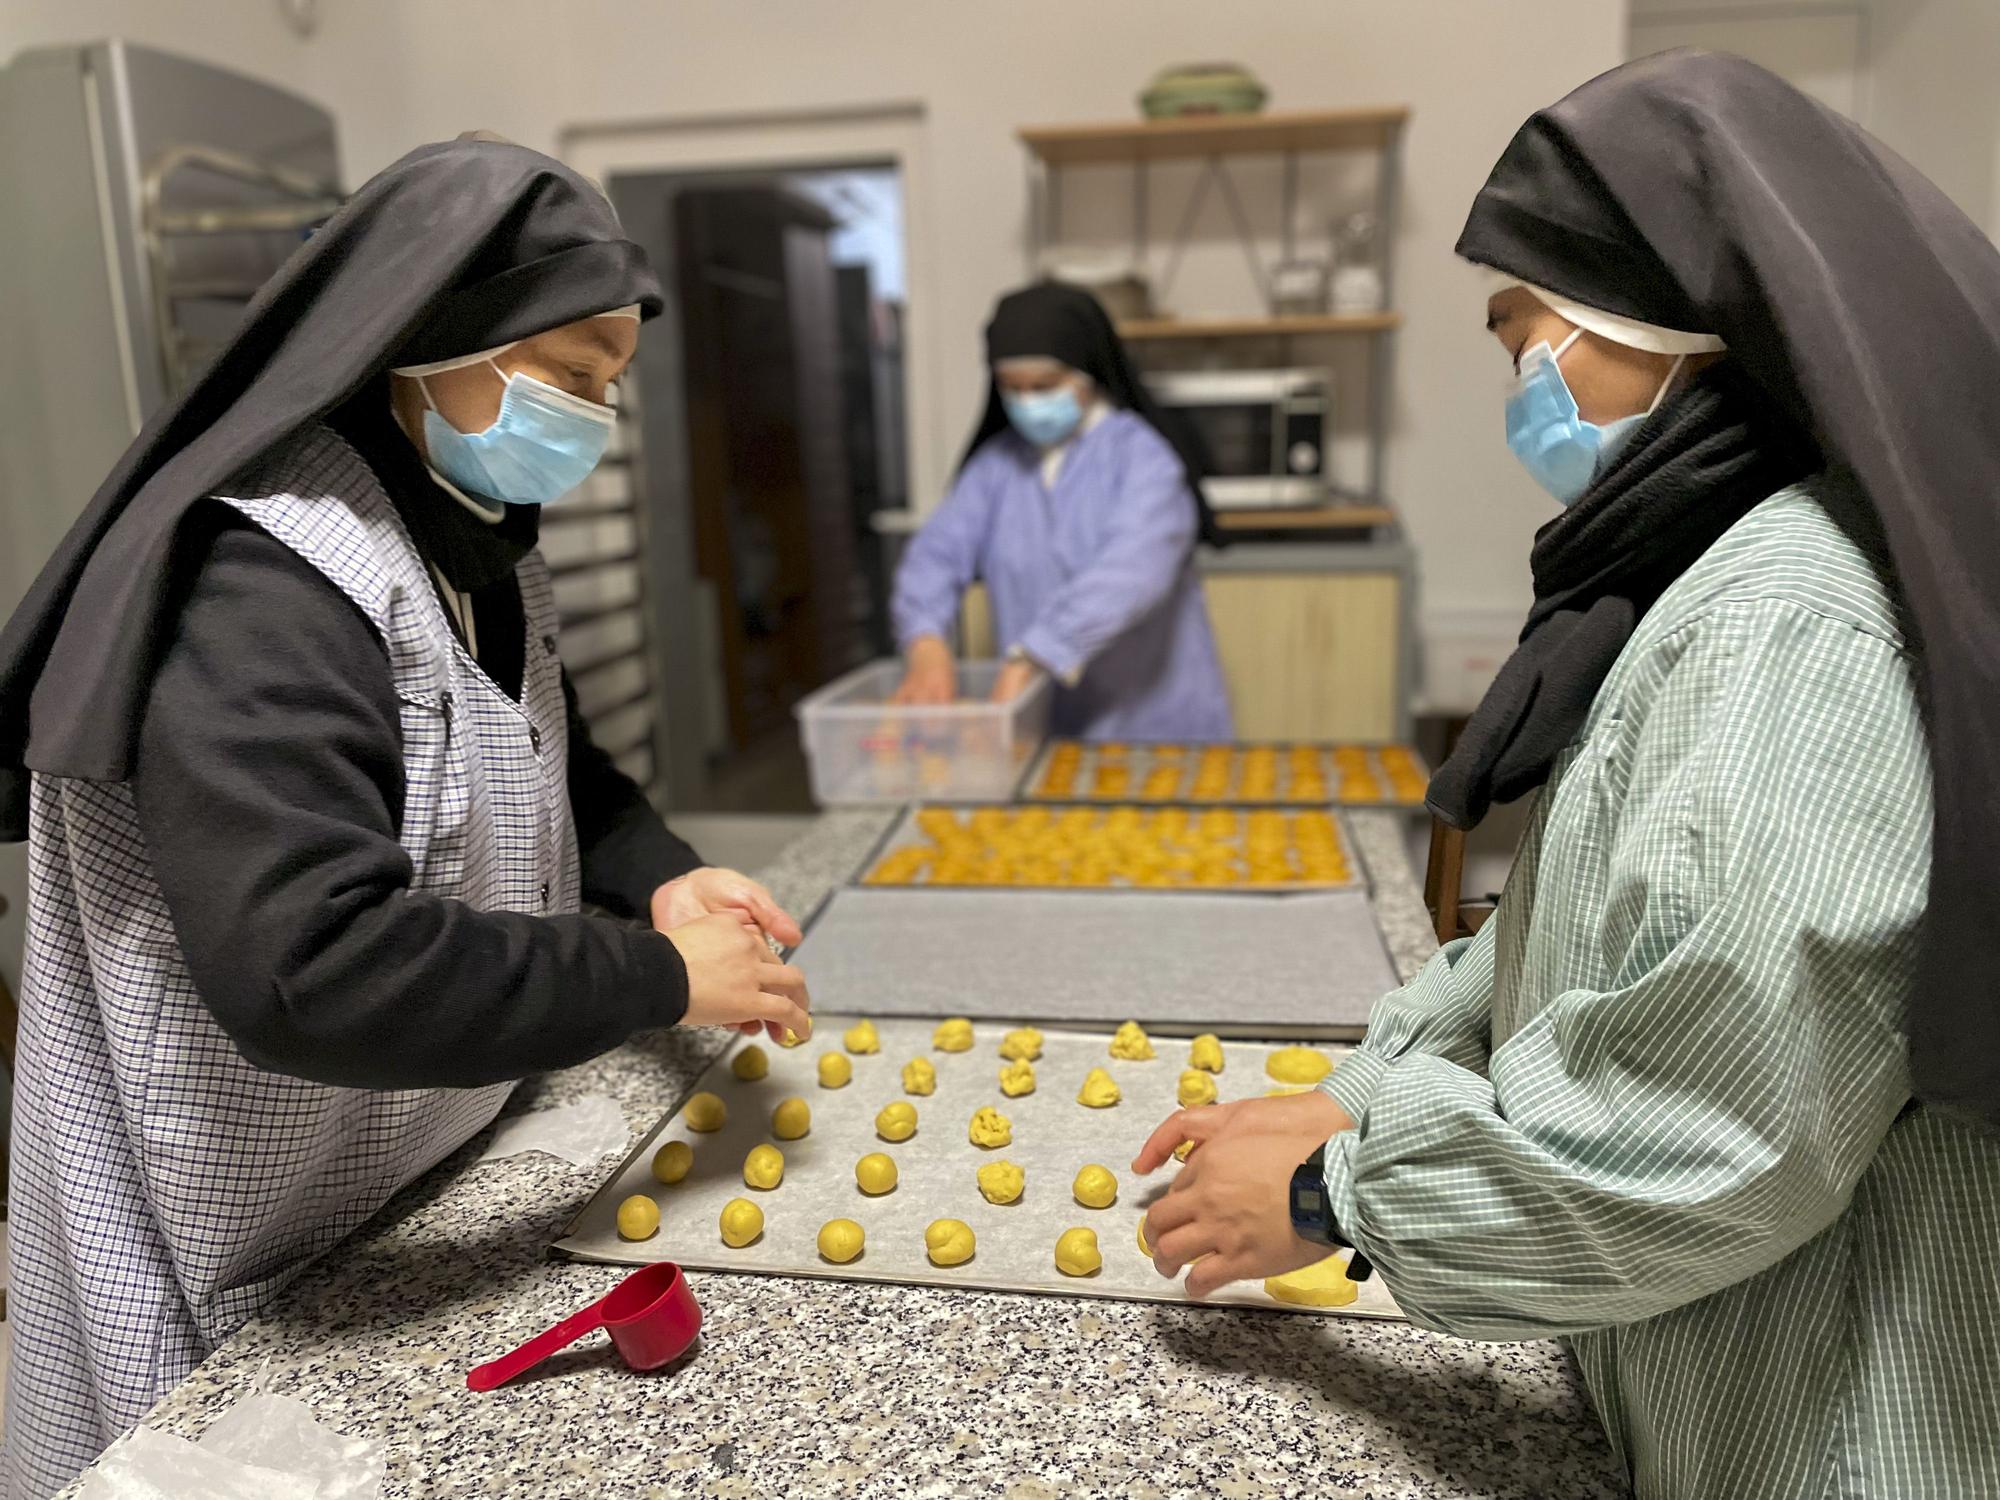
1264,431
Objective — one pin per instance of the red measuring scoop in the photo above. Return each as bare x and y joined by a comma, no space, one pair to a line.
651,1316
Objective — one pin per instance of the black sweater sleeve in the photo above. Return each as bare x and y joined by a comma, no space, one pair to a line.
627,852
269,787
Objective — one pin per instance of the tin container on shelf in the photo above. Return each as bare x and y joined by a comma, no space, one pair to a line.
862,748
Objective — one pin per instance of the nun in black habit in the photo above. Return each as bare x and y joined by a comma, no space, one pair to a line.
1713,1095
311,812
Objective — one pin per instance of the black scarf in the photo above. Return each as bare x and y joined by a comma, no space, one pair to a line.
1690,473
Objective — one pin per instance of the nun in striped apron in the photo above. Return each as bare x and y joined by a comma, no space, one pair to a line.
310,809
1714,1096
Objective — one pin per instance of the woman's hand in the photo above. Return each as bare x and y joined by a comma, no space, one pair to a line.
1015,678
929,675
704,892
735,980
1227,1216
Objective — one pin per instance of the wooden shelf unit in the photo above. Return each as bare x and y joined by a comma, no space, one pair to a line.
1307,325
1214,135
1307,518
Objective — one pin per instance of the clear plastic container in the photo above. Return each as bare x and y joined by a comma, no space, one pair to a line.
862,748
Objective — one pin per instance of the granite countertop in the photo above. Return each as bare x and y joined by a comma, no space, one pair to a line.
833,1388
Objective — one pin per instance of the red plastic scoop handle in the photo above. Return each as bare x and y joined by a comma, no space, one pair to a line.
489,1376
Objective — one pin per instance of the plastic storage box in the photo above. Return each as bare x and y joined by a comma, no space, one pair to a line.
863,748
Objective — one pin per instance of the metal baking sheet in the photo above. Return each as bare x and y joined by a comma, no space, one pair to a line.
1306,965
907,833
1142,760
1054,1136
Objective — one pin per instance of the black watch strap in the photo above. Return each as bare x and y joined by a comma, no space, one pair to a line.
1312,1214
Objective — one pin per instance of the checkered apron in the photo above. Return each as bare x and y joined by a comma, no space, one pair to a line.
164,1188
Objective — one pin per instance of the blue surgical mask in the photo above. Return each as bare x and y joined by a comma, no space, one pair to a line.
1046,417
1549,436
542,446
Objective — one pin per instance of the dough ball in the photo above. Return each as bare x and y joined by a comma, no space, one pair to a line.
1322,1284
705,1112
742,1222
1183,1150
1017,1078
1298,1065
875,1174
764,1167
638,1218
1144,1248
949,1242
791,1039
840,1240
1197,1088
1130,1043
791,1119
1099,1091
1001,1182
1205,1052
1284,1093
954,1035
1077,1253
919,1077
897,1122
1095,1187
750,1063
835,1071
672,1162
861,1039
1023,1045
990,1128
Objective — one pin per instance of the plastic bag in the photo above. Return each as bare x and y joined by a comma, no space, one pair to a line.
580,1133
263,1448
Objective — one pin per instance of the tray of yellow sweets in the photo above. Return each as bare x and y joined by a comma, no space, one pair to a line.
1288,775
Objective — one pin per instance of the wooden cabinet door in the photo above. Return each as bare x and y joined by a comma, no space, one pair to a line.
1309,656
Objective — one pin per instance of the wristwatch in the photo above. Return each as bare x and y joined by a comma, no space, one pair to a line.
1312,1214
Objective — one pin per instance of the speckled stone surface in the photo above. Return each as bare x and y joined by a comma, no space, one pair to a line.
828,1388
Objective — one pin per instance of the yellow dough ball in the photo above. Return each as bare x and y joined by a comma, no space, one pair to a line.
1205,1052
835,1071
1322,1284
742,1222
954,1035
1095,1187
1024,1045
764,1167
791,1119
840,1240
897,1122
705,1112
638,1218
1077,1253
1130,1043
1001,1182
919,1077
672,1162
875,1174
1197,1088
1099,1091
1183,1150
990,1128
1144,1248
862,1040
949,1242
791,1039
1284,1093
1298,1065
1017,1078
750,1063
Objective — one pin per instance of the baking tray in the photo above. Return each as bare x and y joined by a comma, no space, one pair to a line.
907,833
1311,964
1054,1136
1142,759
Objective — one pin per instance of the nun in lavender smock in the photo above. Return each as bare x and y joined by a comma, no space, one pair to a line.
1081,517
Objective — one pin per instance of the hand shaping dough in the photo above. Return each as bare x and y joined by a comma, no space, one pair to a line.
791,1119
1077,1253
742,1222
1001,1182
861,1039
672,1161
1017,1078
919,1077
750,1063
1205,1052
1130,1043
954,1035
1095,1187
1197,1088
834,1071
1322,1284
1099,1091
840,1240
638,1218
1024,1045
897,1122
875,1174
949,1242
990,1128
705,1112
1298,1065
764,1167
